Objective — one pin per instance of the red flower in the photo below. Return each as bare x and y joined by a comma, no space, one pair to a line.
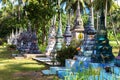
78,49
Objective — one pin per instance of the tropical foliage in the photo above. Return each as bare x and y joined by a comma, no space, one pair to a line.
17,13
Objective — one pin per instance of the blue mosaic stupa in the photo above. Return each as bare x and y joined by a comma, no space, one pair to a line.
89,39
102,52
27,42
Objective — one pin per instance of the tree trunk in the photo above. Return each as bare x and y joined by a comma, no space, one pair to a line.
69,15
106,3
43,35
97,21
92,13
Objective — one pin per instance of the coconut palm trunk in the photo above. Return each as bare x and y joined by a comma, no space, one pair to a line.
106,4
92,13
97,21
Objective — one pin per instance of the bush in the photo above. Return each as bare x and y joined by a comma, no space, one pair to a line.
66,53
11,46
1,41
42,48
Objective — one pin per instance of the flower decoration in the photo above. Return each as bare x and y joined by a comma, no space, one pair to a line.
78,49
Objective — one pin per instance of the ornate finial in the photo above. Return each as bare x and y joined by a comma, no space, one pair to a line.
78,9
13,35
102,20
89,29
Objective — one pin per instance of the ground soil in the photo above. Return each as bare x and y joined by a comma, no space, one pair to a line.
33,75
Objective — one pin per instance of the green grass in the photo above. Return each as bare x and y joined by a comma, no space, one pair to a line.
9,66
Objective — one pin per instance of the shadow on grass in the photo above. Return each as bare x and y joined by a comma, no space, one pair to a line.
7,54
10,66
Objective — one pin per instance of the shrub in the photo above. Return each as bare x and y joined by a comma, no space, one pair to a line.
66,53
11,46
1,41
42,48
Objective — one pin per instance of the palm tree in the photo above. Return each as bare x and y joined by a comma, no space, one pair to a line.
71,4
107,5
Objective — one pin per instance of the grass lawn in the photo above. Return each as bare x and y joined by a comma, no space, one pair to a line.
20,69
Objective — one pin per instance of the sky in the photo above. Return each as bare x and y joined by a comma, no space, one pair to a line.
118,1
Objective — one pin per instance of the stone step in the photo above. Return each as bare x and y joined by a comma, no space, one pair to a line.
46,60
42,59
54,70
19,57
32,55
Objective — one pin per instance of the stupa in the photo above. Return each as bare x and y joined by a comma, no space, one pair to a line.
102,52
34,44
89,40
28,42
59,35
78,25
51,38
67,35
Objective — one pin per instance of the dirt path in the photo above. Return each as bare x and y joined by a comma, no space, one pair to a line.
33,75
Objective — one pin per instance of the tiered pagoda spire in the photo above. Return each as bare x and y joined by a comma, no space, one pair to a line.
59,35
51,37
78,24
68,35
102,52
89,40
